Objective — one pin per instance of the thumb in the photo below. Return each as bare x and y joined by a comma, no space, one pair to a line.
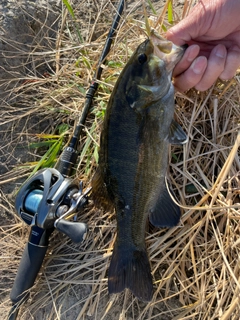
189,28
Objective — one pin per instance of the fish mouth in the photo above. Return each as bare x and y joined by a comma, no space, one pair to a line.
166,50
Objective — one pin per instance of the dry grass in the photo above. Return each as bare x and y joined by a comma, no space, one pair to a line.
196,265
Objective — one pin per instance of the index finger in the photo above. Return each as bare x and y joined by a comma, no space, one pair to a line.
190,54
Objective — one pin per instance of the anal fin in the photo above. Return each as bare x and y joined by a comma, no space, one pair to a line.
165,212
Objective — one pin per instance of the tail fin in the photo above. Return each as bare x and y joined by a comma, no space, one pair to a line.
130,268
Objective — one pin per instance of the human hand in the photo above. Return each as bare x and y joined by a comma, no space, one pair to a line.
212,31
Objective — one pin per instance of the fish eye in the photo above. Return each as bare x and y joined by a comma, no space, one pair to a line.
142,58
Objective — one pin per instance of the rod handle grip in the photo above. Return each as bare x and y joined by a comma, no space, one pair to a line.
29,267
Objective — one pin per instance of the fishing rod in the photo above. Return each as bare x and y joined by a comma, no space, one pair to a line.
50,196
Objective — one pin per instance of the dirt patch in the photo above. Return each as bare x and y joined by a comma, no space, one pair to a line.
27,31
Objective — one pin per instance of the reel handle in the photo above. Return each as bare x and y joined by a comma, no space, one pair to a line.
76,231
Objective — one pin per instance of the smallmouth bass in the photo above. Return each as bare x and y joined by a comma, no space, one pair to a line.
133,159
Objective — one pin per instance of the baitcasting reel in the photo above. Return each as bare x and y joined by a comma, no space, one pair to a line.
47,198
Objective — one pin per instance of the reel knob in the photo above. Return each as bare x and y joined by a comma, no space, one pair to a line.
76,231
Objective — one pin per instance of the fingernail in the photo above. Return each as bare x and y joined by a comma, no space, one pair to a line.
220,51
199,65
193,52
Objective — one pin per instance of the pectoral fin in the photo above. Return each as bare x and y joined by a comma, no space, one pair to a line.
165,212
141,96
176,134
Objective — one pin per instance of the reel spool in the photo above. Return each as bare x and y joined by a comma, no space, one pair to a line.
33,200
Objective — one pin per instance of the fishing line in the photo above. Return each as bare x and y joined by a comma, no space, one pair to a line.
204,198
217,185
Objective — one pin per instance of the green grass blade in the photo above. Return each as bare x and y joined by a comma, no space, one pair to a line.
152,7
170,12
41,144
70,10
48,159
